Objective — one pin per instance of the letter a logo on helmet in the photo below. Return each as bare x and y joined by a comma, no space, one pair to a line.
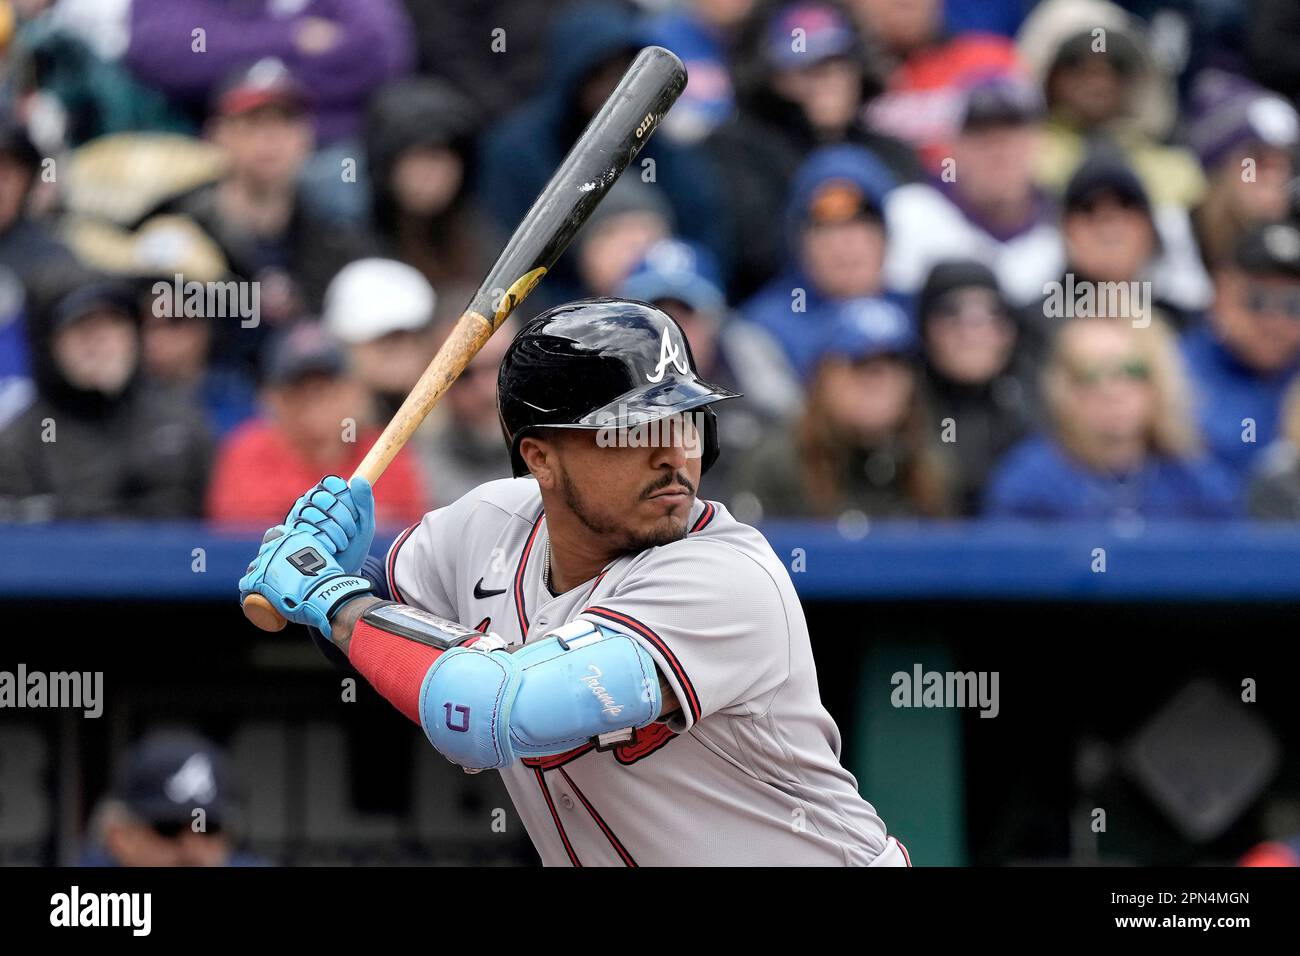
668,353
601,363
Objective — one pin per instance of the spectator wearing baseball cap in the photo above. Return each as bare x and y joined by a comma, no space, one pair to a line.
172,804
1245,356
1120,443
987,205
979,381
99,440
865,444
177,337
835,241
632,217
340,54
1107,227
803,76
383,313
1245,138
683,279
316,422
341,51
1114,233
255,212
928,72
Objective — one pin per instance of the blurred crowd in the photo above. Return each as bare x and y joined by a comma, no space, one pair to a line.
965,258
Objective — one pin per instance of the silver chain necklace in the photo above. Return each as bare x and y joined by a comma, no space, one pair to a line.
546,566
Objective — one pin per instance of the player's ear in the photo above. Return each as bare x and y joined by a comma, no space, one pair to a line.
539,456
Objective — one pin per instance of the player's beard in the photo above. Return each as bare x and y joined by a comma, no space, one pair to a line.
629,540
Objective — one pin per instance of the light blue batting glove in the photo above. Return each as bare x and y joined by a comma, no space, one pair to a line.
342,511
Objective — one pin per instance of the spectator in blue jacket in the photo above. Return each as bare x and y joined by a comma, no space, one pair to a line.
703,33
1121,444
591,46
803,75
683,279
1246,355
835,249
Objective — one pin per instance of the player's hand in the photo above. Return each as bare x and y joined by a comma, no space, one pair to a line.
342,511
295,569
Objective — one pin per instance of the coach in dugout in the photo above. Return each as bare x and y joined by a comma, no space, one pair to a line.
171,805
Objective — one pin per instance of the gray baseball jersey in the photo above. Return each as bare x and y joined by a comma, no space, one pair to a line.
747,772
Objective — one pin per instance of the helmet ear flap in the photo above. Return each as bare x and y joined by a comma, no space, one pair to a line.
512,442
711,446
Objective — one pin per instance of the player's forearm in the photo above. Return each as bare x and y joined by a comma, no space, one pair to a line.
396,666
345,621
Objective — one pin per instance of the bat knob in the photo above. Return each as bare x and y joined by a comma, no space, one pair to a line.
259,610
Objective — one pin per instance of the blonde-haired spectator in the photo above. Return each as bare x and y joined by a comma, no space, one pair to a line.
1121,441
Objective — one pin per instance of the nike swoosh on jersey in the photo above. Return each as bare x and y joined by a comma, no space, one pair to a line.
480,594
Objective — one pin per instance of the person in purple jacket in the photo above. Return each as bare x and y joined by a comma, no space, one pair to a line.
1121,444
340,50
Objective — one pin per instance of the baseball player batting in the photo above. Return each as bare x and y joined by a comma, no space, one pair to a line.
631,659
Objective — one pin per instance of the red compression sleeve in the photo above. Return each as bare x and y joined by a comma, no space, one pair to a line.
395,666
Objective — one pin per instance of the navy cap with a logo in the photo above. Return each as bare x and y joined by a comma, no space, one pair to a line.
170,774
1273,249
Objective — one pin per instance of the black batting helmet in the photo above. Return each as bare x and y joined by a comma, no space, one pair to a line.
597,363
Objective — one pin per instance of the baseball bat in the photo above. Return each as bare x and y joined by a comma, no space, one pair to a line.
604,150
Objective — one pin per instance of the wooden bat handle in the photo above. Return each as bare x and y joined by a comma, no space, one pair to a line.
467,337
259,611
612,139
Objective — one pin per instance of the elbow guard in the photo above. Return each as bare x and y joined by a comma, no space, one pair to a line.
483,709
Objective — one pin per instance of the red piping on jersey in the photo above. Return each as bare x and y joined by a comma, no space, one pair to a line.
705,517
564,837
600,822
519,576
906,856
390,566
596,583
557,760
692,699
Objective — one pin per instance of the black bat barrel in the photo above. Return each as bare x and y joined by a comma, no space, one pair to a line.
604,150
